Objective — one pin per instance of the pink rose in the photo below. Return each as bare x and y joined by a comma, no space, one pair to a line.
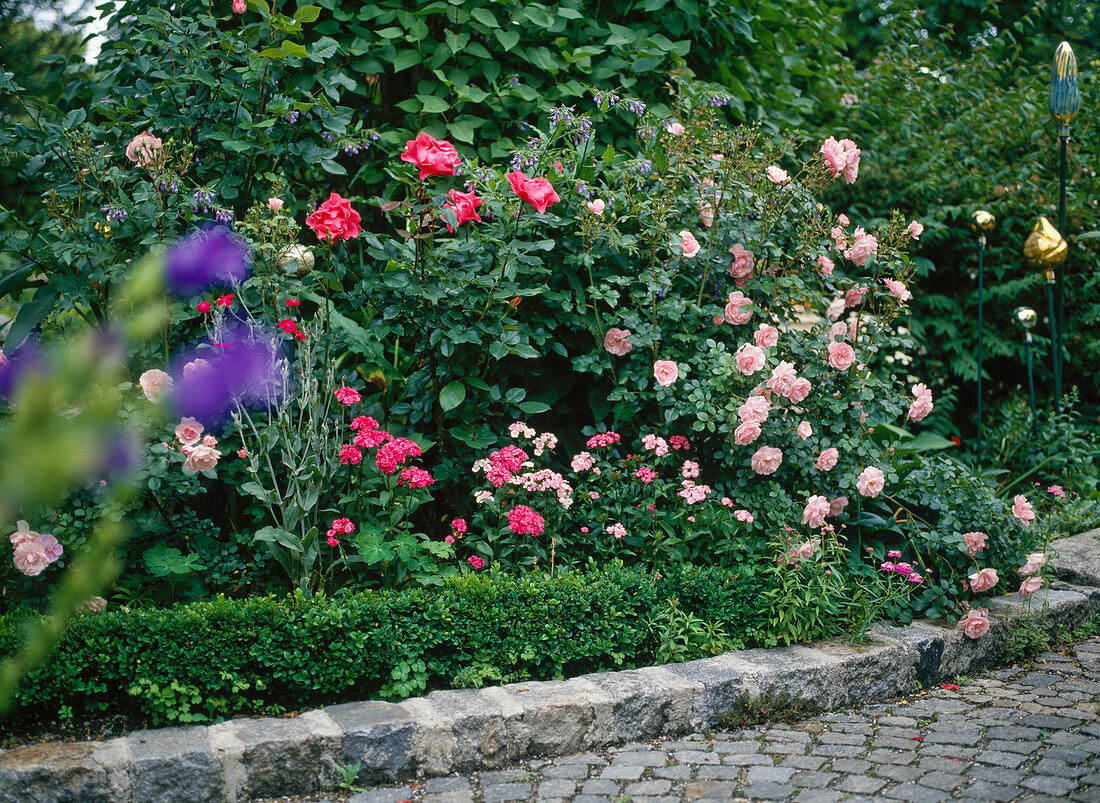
922,403
1030,586
201,458
871,482
841,355
805,430
838,329
617,342
817,508
746,433
827,460
464,205
854,297
155,384
743,515
23,534
335,220
766,460
975,624
1021,509
983,580
434,157
538,192
741,266
766,336
915,230
897,289
733,313
782,378
665,372
93,605
144,150
842,219
189,431
274,204
777,175
975,542
597,206
240,6
826,265
835,309
688,244
799,390
841,157
1035,561
806,550
754,410
851,166
750,359
674,128
863,247
836,506
30,558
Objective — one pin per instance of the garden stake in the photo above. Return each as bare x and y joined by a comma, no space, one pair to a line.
1025,319
1045,249
1065,100
982,222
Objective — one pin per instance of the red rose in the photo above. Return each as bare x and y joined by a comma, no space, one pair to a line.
335,220
536,191
464,205
434,157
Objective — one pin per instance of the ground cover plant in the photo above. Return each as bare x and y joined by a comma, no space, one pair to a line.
499,366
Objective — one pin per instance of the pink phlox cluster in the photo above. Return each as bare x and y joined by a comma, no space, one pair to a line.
481,497
476,563
394,453
546,481
363,422
603,439
583,461
655,444
743,515
693,493
678,442
545,442
347,396
350,453
689,470
617,530
519,429
522,520
415,478
646,475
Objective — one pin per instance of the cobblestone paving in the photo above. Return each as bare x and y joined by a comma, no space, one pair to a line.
1019,734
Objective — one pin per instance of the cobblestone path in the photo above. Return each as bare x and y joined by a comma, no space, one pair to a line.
1024,733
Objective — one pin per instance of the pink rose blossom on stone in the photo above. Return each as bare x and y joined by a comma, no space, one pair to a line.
826,265
1030,586
897,289
1033,564
799,390
922,403
782,378
749,359
617,342
841,355
777,175
597,206
766,336
983,580
836,506
741,266
871,481
975,542
743,515
766,460
675,128
155,384
835,309
733,313
1021,509
274,204
688,244
189,431
746,433
665,372
805,430
817,508
754,410
975,624
863,247
827,460
201,458
915,229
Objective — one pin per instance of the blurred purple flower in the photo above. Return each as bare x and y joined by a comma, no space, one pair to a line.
206,257
27,359
245,367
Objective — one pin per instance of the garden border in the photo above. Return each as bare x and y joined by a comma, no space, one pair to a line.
465,730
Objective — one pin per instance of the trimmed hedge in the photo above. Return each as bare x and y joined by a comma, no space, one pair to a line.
214,659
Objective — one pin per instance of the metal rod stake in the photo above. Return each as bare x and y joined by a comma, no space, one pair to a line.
1031,385
981,302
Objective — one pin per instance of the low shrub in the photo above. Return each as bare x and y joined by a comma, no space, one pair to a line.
208,660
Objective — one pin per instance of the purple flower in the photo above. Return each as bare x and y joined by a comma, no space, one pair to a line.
206,257
246,368
25,361
48,544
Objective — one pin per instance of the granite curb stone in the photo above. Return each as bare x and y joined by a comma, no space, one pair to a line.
481,730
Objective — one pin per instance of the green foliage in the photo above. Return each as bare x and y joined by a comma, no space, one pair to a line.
769,706
214,659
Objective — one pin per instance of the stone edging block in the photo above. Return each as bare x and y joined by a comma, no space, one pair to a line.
464,730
